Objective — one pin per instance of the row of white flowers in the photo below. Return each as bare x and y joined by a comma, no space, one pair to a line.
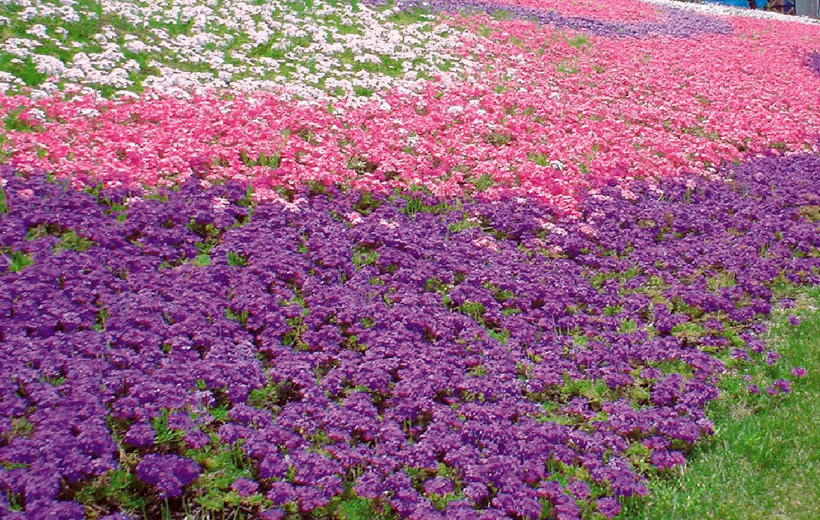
194,45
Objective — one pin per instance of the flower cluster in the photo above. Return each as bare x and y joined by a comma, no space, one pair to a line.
437,358
535,109
308,49
616,19
168,473
475,259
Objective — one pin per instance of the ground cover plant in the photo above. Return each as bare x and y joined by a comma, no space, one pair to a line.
543,110
359,260
269,353
756,442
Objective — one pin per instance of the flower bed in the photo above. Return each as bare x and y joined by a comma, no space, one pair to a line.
435,358
618,19
428,260
539,111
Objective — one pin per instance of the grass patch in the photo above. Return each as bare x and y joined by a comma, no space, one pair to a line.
763,461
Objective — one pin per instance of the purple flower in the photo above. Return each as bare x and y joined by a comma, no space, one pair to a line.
666,458
784,385
799,372
230,433
168,473
753,389
272,514
813,62
579,489
370,348
772,357
609,507
438,486
369,485
140,435
196,439
476,491
245,487
794,321
280,493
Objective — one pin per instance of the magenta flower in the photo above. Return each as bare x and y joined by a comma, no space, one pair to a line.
784,385
799,372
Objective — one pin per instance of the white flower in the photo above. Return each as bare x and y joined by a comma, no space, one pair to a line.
558,165
88,112
48,64
220,203
37,114
38,30
388,224
136,46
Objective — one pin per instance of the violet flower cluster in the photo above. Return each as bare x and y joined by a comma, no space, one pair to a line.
813,62
672,22
439,358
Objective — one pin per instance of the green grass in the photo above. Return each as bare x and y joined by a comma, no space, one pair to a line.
764,459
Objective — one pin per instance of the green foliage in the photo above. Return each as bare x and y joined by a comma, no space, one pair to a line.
363,256
163,434
20,427
12,121
579,41
474,310
18,261
407,17
266,397
539,158
367,203
501,336
202,259
356,508
119,487
464,223
221,466
179,26
689,331
237,259
241,317
262,159
25,69
627,326
71,240
763,449
483,183
99,321
498,138
362,91
220,413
